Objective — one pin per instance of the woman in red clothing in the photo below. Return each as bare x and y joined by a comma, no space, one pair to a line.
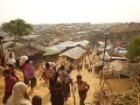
9,83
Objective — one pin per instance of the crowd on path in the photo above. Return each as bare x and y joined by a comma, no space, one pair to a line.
58,76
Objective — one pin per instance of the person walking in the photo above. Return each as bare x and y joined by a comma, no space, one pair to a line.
23,63
30,75
57,97
10,55
83,88
48,71
19,95
9,83
67,83
62,73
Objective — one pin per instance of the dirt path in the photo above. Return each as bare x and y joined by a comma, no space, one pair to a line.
42,87
91,78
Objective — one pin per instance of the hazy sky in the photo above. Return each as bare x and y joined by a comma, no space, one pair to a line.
66,11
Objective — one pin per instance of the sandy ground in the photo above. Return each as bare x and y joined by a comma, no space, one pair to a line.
91,78
42,88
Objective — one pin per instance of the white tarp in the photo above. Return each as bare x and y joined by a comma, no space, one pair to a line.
99,63
106,58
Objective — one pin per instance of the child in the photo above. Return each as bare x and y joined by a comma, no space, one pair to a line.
83,87
36,100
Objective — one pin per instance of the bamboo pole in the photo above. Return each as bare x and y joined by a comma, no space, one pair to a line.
2,52
101,76
138,97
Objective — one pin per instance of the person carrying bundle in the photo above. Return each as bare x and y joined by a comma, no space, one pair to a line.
23,63
48,72
30,75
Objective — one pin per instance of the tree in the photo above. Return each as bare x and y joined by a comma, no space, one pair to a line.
17,27
134,49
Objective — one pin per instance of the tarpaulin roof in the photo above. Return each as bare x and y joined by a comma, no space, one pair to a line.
106,57
99,63
50,51
117,65
64,45
74,53
29,37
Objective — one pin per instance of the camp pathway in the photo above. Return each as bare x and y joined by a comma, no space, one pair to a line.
42,88
91,78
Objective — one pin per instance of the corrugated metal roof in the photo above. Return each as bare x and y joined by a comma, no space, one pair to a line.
64,45
74,53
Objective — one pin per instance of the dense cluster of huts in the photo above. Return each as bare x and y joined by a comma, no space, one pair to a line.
70,50
115,64
73,51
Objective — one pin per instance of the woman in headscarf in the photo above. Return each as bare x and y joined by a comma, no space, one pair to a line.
23,64
29,74
19,95
57,97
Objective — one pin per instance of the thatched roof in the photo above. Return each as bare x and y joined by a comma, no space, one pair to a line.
25,50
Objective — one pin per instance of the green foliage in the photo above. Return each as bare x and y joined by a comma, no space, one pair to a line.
17,27
134,48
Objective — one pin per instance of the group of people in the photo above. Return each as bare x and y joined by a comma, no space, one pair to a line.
57,76
60,80
11,79
19,95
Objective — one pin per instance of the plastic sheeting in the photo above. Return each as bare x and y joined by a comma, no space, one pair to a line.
106,58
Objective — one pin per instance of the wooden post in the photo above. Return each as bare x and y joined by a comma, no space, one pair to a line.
138,97
2,52
101,76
